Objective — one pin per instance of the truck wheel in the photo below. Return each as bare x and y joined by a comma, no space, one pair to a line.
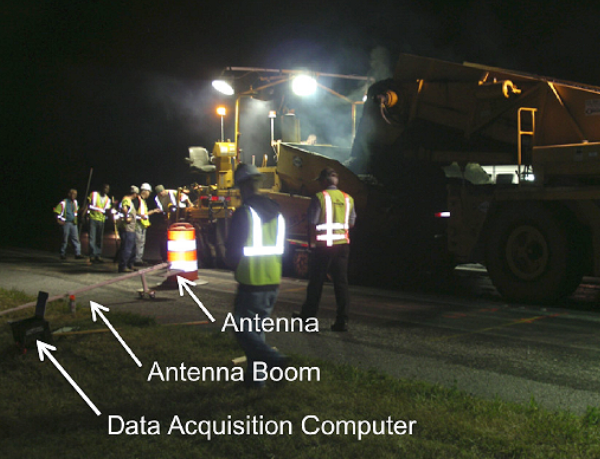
300,263
530,256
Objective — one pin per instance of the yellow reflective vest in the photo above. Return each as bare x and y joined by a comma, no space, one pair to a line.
263,250
61,210
98,206
142,213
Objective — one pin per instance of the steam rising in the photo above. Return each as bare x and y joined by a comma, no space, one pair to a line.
381,64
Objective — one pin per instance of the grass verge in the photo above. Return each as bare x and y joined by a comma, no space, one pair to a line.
43,416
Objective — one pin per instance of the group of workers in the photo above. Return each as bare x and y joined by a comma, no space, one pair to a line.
131,217
254,248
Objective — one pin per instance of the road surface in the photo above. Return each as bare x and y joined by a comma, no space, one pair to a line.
465,337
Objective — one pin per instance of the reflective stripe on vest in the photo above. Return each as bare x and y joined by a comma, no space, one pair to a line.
258,249
98,206
325,231
97,203
61,210
142,215
172,197
120,216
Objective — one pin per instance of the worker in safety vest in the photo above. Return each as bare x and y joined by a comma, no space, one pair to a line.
331,214
66,216
98,204
166,200
142,222
254,249
167,203
127,224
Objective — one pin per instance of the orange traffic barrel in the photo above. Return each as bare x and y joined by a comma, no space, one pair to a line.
181,250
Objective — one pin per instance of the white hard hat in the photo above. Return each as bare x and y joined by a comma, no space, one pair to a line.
146,187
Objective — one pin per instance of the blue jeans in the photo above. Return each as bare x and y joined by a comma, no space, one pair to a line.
69,232
251,304
127,250
96,237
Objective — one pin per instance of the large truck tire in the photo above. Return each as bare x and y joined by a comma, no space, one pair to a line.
530,255
295,262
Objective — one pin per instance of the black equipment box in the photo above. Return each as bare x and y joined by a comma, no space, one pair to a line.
26,332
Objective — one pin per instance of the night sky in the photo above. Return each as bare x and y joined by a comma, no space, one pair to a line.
124,87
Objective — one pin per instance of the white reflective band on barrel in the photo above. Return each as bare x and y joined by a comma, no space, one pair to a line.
258,249
181,245
186,266
329,227
182,253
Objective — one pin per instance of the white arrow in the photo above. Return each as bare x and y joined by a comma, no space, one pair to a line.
97,309
44,350
185,283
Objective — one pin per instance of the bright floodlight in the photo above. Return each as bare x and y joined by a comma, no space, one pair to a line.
304,85
221,111
223,87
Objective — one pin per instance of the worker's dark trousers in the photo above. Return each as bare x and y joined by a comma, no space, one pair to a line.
334,260
127,256
162,228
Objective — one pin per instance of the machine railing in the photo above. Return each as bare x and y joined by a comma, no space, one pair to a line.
524,132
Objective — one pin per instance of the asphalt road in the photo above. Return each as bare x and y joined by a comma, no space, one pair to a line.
461,336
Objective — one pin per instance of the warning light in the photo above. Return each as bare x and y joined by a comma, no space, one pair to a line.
223,87
304,85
